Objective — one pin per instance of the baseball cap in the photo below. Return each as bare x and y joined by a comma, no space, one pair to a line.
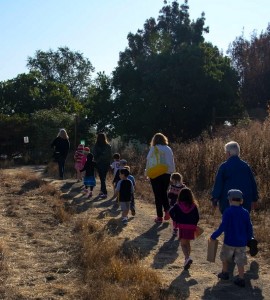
123,162
235,195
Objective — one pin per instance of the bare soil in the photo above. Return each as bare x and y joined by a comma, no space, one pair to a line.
40,253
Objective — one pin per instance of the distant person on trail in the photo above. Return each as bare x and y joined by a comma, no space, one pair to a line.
238,233
160,183
176,185
102,156
116,163
79,161
89,179
234,173
186,216
132,201
116,178
61,147
124,191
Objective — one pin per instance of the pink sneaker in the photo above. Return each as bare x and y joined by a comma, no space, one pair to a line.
167,216
158,219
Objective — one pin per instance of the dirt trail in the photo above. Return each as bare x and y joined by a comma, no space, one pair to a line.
32,227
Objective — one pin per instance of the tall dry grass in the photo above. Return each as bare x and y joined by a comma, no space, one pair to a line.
111,272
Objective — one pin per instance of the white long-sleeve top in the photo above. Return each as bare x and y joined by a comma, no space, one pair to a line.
168,156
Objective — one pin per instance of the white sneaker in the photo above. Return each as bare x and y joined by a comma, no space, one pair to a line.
89,195
125,220
188,263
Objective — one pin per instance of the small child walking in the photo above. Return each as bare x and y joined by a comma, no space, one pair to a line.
176,185
132,201
115,165
186,216
124,191
89,179
79,161
238,232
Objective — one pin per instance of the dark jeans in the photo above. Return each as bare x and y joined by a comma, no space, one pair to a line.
132,202
61,166
102,172
160,186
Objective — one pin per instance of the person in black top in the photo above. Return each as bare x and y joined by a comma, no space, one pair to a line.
102,155
61,147
89,179
124,191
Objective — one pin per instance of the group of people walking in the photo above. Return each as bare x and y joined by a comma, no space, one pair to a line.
234,192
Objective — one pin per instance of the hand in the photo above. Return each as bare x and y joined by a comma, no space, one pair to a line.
254,205
214,202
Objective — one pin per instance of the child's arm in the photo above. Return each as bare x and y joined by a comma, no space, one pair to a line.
221,228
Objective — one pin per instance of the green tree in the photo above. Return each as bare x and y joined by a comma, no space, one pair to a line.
251,59
28,93
13,129
99,105
168,79
65,67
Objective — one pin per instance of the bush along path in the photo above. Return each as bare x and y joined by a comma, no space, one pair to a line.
39,253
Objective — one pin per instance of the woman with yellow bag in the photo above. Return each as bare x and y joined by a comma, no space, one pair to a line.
159,166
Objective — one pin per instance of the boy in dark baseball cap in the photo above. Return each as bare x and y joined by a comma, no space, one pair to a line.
238,230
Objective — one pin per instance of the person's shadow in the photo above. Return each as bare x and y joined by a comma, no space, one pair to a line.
144,243
179,287
224,290
166,254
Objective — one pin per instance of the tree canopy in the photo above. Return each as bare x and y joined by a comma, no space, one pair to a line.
168,79
251,59
65,67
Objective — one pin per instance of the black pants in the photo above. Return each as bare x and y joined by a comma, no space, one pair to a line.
102,172
160,186
61,166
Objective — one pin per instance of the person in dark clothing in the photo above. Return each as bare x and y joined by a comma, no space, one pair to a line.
89,179
234,173
102,156
238,231
186,216
124,191
61,147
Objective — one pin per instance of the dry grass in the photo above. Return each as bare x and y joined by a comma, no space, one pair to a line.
109,272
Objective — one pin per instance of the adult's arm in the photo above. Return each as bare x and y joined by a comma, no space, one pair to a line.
255,195
219,183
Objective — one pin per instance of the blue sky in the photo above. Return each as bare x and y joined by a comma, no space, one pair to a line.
99,29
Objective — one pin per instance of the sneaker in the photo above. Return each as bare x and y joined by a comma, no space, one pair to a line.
158,220
133,212
89,195
167,216
125,220
188,263
253,247
223,275
103,196
240,282
85,191
175,231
